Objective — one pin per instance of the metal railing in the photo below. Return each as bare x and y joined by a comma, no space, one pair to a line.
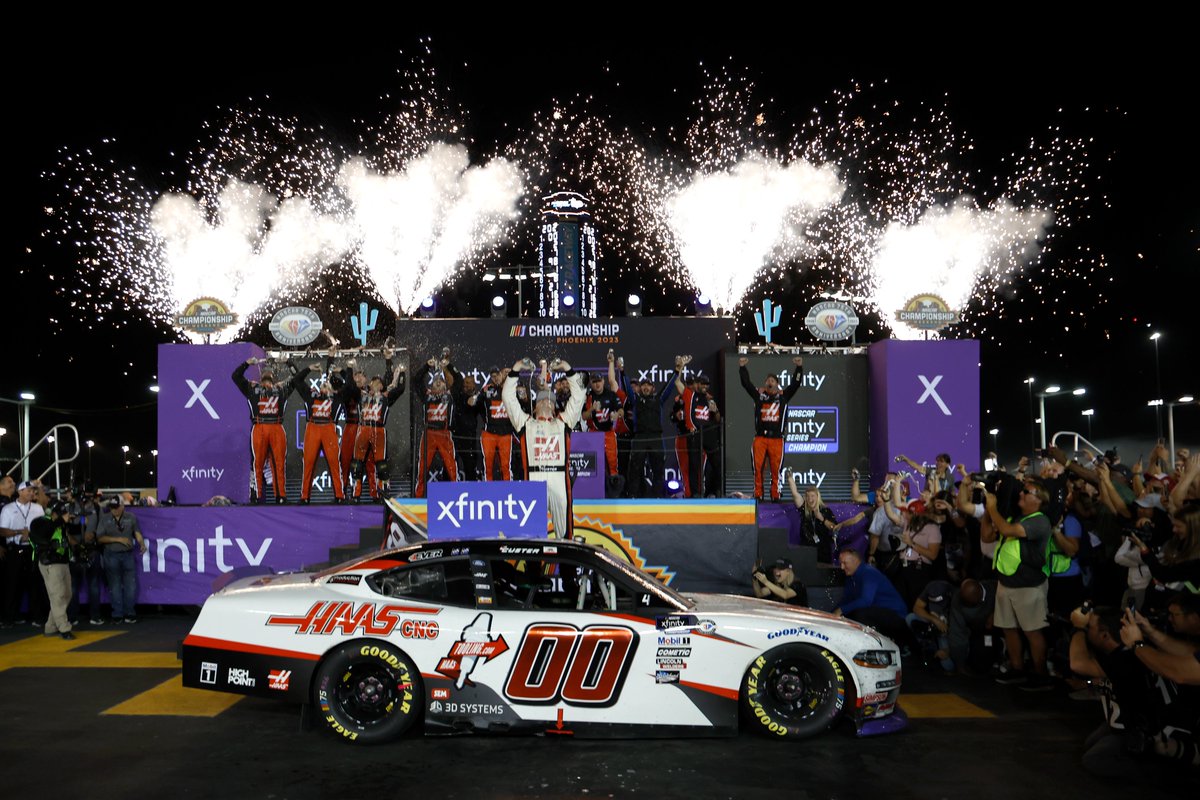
1076,439
52,439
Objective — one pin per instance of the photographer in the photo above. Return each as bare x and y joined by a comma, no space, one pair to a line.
1020,560
1177,563
52,536
781,585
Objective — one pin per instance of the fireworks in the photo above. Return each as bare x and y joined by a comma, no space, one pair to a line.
865,193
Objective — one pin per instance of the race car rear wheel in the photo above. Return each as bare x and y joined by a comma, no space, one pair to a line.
794,691
368,691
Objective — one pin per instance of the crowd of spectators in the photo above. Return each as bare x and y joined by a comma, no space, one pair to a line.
1074,573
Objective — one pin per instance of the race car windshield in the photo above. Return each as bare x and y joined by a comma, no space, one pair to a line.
629,571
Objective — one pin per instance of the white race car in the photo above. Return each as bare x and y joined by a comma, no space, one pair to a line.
544,636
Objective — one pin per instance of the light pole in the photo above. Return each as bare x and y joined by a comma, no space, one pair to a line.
90,445
1186,400
1052,391
125,467
1089,413
1154,337
1032,435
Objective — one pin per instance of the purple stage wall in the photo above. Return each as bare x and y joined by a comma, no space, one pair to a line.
924,401
189,548
203,422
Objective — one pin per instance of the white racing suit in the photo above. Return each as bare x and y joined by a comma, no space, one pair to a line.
546,448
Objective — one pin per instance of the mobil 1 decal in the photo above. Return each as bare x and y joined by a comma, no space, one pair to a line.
560,663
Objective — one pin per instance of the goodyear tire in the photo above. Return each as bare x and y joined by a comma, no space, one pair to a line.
368,691
794,691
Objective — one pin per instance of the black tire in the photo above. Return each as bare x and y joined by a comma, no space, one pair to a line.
794,691
368,692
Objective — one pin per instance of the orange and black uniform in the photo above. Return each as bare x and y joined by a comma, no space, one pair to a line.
370,440
769,412
497,436
703,442
439,419
604,407
351,400
266,412
320,434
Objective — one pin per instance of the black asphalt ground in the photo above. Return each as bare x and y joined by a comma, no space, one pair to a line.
105,717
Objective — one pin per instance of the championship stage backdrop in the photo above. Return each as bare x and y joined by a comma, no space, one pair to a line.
648,345
825,428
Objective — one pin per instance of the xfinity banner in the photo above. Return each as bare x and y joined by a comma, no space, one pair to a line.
925,401
487,508
203,422
188,548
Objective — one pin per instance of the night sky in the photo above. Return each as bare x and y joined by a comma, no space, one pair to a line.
1129,89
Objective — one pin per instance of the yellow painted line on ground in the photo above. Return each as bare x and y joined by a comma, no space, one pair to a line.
52,651
172,699
941,706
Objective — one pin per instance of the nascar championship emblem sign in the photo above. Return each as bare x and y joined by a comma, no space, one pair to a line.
206,315
927,312
295,326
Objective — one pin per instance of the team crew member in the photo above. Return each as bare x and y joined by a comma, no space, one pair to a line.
681,439
266,400
497,436
321,405
604,404
646,444
370,442
704,432
354,388
121,535
770,404
439,418
545,439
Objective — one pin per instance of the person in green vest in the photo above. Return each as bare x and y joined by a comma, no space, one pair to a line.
1020,560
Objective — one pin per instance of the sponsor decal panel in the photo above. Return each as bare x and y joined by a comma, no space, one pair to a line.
518,506
558,662
675,622
666,676
676,641
208,672
439,694
279,679
347,580
475,646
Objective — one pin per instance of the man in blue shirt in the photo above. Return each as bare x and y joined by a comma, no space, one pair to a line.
870,599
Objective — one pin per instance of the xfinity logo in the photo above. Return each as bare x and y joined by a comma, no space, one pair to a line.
198,397
190,474
217,544
487,509
809,380
508,508
931,392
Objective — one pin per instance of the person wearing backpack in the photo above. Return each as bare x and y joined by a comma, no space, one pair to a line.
52,538
1020,561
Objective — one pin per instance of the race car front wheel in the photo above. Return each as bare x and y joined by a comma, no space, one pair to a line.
794,691
368,691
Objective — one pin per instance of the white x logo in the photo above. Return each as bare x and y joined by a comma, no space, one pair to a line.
198,394
930,391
